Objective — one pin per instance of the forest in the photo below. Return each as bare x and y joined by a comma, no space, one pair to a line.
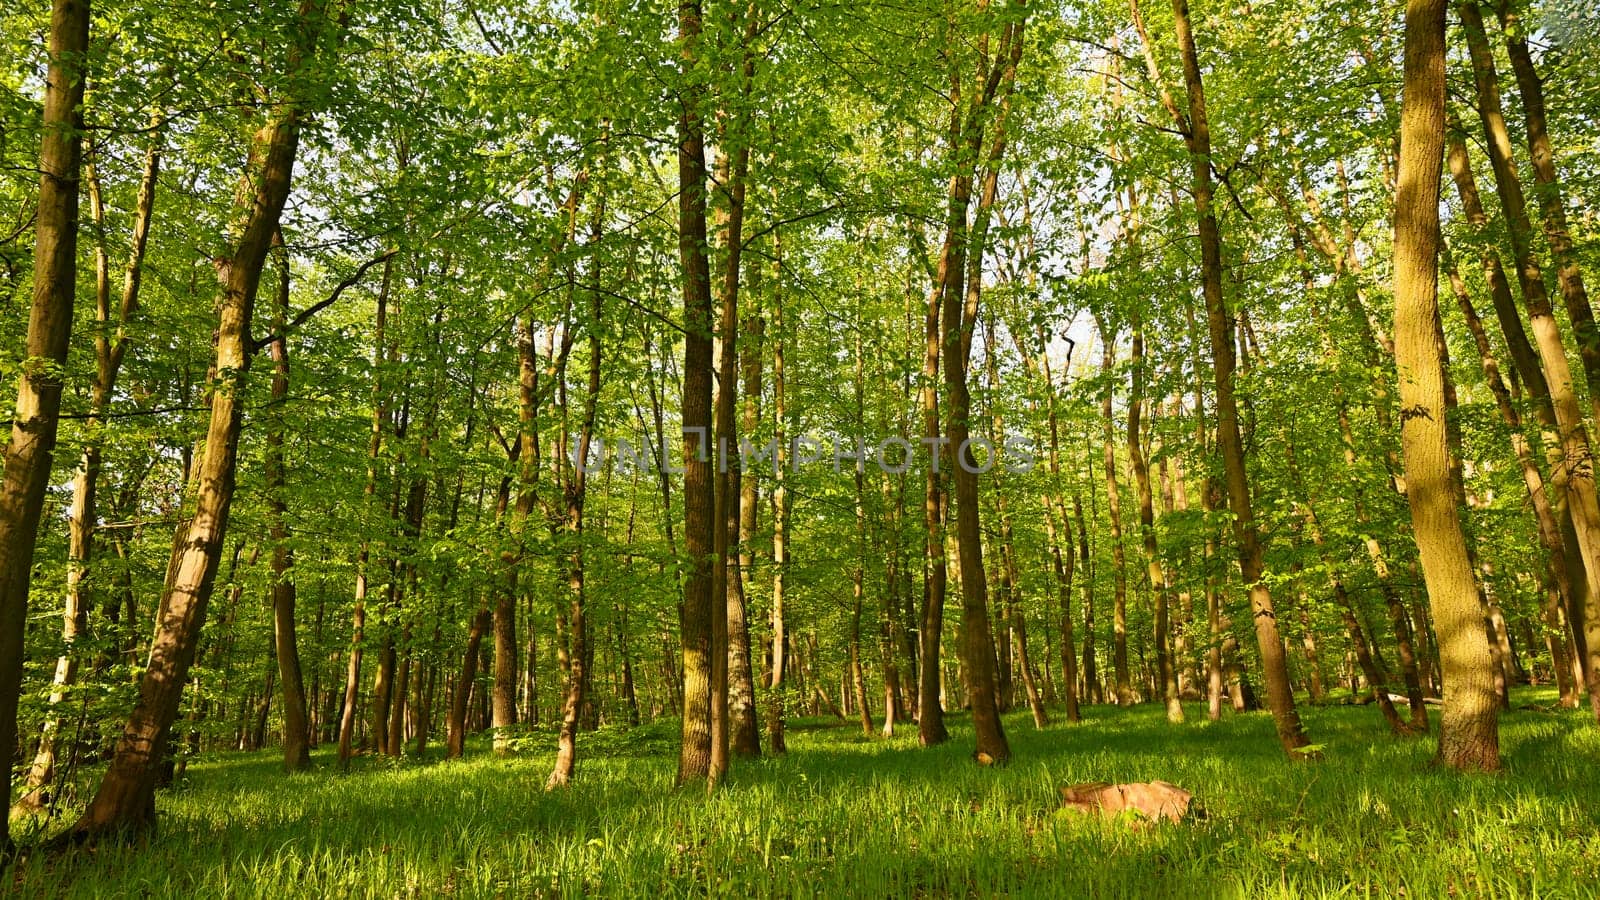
796,447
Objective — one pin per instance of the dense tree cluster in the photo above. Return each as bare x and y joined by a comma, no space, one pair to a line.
391,373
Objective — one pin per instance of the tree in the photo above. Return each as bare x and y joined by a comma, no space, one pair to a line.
1194,125
1468,728
125,800
55,282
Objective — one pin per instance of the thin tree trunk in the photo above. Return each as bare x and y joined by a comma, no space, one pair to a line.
358,624
456,735
110,346
960,302
930,712
1575,468
296,727
1547,189
1195,126
1058,530
575,471
1555,572
858,679
746,730
780,518
1119,564
1091,678
1166,672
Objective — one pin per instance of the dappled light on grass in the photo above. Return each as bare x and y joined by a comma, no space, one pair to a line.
844,814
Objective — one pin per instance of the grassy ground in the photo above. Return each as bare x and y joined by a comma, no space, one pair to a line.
841,815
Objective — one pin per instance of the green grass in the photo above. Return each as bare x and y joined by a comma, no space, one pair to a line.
841,815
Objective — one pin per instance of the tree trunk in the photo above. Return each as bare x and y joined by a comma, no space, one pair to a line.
930,712
1195,127
296,726
575,481
1575,467
1557,584
1166,672
125,799
1547,189
699,489
742,699
1468,729
780,518
1119,563
456,735
33,430
358,624
1058,530
1091,678
110,346
959,314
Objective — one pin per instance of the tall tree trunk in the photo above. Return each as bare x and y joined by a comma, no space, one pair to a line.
1166,672
110,348
858,679
1091,678
456,734
358,624
1059,534
1058,529
394,742
960,300
1547,189
1196,129
33,429
930,711
1468,728
1009,577
780,516
383,678
1119,563
1555,571
746,730
575,483
1576,466
125,799
296,726
699,489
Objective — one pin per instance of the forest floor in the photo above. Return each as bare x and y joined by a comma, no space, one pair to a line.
842,815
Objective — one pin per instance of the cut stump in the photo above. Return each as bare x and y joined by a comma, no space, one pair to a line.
1147,800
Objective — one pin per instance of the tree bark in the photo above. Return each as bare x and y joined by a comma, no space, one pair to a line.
930,711
746,730
1577,465
959,313
296,725
1195,126
110,348
125,799
33,431
699,489
1547,189
1119,562
1468,729
1166,672
575,484
358,623
780,517
456,735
